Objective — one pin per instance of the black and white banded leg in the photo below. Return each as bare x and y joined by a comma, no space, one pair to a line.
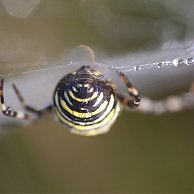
134,98
39,113
6,110
18,114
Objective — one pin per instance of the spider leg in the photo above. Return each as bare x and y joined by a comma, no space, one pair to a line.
134,98
29,108
6,110
170,104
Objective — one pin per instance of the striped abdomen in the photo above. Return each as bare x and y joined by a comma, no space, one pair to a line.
85,104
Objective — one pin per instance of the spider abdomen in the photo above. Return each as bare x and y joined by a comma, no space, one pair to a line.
85,103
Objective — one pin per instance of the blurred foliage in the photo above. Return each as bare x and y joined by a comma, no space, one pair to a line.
142,153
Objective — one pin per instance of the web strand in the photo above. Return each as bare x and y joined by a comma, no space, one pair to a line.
12,73
178,62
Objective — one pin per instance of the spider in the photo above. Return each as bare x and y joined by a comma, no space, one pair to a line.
88,104
84,101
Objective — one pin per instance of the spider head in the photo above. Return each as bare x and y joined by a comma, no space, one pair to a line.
84,70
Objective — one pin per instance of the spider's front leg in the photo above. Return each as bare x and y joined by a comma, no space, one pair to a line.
39,113
18,114
134,98
6,110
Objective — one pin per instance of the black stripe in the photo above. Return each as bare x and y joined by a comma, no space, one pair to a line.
78,119
73,117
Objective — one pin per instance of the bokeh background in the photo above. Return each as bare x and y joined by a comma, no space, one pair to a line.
142,152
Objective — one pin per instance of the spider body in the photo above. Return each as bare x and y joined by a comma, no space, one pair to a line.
85,102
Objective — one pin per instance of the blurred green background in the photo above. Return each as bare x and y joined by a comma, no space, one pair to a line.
142,152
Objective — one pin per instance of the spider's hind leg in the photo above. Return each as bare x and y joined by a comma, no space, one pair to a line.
173,103
29,108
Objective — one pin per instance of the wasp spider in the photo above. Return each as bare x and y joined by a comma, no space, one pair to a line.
88,104
84,101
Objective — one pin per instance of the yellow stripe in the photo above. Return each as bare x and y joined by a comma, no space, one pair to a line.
105,113
95,94
3,107
80,127
83,115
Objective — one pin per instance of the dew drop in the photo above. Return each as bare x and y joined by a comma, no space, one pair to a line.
181,62
70,63
190,61
137,68
160,65
114,69
175,62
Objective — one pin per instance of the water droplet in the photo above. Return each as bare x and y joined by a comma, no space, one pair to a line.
190,61
175,62
137,68
112,67
160,65
181,62
70,63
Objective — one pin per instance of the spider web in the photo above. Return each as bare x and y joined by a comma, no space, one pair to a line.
37,80
176,56
25,68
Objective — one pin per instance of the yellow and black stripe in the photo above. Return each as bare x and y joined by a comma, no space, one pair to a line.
85,103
